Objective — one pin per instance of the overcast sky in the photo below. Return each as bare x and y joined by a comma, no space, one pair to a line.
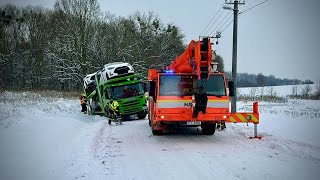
279,37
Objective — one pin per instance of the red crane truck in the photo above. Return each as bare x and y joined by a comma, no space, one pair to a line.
190,92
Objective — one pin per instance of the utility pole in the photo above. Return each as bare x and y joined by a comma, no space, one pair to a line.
235,9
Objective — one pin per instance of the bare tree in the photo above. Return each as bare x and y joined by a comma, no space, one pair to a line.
317,92
294,91
306,91
56,48
272,91
253,92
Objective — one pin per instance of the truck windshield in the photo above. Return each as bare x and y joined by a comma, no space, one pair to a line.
126,91
176,85
215,86
183,85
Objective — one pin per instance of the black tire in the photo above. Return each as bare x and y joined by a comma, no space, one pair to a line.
149,123
156,132
109,121
125,118
142,116
209,129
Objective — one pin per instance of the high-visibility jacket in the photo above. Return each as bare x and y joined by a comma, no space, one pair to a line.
114,106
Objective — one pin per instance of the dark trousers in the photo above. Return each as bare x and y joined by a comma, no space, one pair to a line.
83,107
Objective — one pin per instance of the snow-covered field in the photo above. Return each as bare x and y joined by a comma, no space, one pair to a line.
281,91
42,137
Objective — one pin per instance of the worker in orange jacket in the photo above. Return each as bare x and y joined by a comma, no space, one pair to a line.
83,103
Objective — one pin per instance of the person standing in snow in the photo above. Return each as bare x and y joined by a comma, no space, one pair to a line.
83,103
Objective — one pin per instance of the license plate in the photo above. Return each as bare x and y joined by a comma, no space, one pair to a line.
193,123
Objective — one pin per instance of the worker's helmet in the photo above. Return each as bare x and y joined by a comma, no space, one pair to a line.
114,105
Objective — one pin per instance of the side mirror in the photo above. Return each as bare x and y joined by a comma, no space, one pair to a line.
152,88
231,88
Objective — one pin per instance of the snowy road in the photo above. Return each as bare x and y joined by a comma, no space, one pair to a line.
45,142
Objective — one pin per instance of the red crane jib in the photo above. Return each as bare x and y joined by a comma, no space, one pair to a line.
198,54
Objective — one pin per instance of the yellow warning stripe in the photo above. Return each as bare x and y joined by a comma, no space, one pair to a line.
240,117
254,118
243,119
232,119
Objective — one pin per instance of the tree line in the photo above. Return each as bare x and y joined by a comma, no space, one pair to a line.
260,80
257,80
55,48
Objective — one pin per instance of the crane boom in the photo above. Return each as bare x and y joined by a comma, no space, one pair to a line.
195,59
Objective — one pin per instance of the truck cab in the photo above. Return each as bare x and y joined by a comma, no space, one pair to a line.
129,92
174,101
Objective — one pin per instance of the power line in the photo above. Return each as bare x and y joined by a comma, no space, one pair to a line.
227,26
243,12
253,7
222,21
215,21
212,19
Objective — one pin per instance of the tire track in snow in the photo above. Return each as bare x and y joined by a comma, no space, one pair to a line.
107,148
131,151
159,154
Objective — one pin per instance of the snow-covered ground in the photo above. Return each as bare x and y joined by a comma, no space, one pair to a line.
42,137
281,91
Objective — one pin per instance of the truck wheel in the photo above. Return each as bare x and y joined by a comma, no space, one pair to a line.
125,117
156,132
209,129
142,116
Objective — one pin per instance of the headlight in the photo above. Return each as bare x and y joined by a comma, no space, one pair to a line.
145,107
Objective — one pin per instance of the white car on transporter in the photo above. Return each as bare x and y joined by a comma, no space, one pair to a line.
115,69
90,78
89,82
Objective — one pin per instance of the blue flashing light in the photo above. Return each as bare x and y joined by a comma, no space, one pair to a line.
168,71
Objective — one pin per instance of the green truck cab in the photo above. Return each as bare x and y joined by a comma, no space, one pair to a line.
127,90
